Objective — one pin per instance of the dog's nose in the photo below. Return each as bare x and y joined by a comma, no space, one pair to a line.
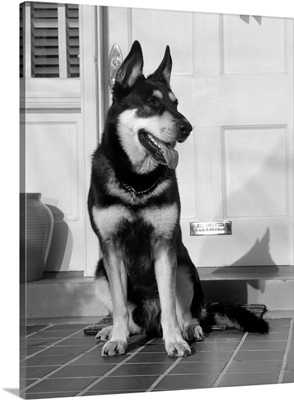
184,130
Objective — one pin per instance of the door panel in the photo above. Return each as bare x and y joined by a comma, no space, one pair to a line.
255,174
173,22
233,76
253,45
54,167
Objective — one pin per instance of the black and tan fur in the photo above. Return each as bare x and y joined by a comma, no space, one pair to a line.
146,278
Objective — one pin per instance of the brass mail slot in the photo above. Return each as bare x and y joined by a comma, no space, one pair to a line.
210,228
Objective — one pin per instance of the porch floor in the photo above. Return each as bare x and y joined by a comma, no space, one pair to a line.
58,360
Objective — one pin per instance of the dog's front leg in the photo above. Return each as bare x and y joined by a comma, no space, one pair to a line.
118,286
165,270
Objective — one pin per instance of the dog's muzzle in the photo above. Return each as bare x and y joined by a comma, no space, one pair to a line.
184,129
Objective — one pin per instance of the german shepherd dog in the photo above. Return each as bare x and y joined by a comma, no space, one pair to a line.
146,278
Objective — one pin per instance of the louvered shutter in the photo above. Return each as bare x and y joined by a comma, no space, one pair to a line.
49,40
72,41
21,36
44,39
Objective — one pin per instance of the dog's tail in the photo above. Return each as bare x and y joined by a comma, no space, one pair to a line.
227,315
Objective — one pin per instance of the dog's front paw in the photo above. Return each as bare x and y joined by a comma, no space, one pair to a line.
104,334
114,348
178,348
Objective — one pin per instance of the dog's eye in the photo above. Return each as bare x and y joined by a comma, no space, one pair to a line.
153,101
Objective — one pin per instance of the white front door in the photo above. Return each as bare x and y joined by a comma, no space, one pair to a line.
233,76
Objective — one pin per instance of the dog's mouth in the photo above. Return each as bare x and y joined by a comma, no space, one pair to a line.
162,152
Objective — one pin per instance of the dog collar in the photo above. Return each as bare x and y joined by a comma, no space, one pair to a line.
136,193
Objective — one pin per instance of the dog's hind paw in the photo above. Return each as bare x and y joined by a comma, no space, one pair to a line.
179,348
104,334
193,332
114,348
198,333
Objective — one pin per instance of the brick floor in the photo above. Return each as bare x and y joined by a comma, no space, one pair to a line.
61,361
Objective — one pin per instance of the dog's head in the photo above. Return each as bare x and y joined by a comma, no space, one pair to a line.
149,123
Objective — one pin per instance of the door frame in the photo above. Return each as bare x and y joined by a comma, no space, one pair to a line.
95,102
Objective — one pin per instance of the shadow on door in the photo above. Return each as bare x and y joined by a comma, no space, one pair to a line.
236,291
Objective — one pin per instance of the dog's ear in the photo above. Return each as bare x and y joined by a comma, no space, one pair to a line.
131,68
164,70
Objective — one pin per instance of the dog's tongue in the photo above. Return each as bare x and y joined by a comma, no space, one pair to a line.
171,155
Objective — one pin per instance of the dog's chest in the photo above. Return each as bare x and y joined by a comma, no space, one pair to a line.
111,220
